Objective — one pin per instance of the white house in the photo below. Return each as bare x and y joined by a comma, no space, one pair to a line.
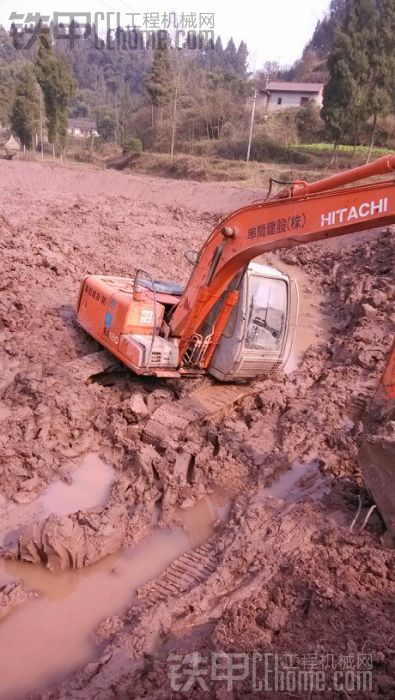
82,128
280,95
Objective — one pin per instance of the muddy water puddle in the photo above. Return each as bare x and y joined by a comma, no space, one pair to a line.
89,486
52,635
199,520
299,482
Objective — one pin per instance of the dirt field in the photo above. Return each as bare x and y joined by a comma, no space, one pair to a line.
127,565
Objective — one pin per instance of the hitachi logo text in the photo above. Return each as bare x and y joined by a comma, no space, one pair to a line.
349,214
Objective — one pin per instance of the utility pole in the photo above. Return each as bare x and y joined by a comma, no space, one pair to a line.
252,123
41,124
116,115
173,130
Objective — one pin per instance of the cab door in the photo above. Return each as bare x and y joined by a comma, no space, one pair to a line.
259,332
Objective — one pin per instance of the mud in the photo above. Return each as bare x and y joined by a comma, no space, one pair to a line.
266,489
76,611
11,595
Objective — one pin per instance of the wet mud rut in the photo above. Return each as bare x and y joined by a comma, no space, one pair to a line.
122,545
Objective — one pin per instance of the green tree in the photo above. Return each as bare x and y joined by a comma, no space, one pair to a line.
241,63
7,92
26,109
126,108
106,125
345,100
230,56
323,36
159,81
381,81
337,91
55,78
362,69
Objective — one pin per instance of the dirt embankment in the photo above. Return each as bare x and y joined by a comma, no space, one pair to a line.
282,574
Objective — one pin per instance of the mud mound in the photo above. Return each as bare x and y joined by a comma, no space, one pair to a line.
11,596
123,161
74,541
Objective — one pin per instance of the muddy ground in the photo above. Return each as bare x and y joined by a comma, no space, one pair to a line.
270,565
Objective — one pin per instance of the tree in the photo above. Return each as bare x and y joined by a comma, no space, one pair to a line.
26,109
323,37
241,62
345,101
80,106
309,123
55,78
106,125
7,93
230,55
336,97
219,54
362,69
159,81
271,70
381,92
126,108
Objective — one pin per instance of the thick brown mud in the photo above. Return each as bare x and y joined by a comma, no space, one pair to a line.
230,535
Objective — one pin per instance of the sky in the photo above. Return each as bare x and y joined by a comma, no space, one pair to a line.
274,31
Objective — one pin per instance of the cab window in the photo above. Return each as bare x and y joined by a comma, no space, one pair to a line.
266,314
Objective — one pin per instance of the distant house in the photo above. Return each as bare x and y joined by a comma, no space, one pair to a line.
281,95
82,128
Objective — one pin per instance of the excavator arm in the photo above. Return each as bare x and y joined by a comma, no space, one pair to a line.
302,213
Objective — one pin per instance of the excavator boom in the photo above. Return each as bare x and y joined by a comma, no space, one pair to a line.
304,213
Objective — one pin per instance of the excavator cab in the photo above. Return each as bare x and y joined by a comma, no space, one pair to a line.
259,333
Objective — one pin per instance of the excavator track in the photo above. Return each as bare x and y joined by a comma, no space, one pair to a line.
204,402
86,367
173,417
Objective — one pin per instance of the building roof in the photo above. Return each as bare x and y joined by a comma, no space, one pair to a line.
279,86
85,124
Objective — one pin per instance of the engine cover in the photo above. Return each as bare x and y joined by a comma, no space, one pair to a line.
125,322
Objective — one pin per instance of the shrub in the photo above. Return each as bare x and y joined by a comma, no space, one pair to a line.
309,124
133,145
262,150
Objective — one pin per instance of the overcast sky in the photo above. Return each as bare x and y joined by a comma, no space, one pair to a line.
275,30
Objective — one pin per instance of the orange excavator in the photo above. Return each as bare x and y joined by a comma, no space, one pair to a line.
235,318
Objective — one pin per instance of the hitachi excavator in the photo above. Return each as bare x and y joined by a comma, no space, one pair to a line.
235,318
